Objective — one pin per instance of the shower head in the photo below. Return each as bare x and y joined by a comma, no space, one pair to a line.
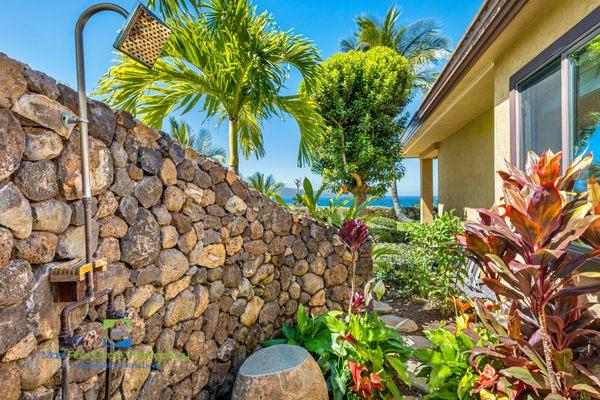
143,36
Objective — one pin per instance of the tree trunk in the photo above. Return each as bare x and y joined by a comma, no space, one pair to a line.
394,193
234,160
359,191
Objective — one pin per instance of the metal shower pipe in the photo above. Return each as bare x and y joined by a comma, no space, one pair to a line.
66,335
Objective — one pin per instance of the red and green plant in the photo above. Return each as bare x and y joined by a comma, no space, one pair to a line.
524,247
353,233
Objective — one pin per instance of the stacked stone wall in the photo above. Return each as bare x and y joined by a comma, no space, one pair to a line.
203,266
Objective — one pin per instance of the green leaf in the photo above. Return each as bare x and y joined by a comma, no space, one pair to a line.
400,369
582,387
523,374
335,324
438,376
273,342
394,389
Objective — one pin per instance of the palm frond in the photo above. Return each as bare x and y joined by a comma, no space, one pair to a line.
171,8
227,60
266,185
420,42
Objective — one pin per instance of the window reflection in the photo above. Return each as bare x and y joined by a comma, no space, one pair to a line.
540,111
585,105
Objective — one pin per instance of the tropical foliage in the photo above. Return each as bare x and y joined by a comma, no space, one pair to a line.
229,60
522,246
200,142
437,257
427,261
265,184
361,97
360,356
447,365
420,42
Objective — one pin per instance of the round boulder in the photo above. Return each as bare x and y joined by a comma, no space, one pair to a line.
280,372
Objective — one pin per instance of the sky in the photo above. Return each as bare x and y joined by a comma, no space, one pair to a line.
40,33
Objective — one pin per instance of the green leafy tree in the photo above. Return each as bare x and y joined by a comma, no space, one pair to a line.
420,42
265,184
230,60
361,97
200,142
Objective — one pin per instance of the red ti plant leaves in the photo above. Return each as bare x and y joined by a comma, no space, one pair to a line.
545,208
522,245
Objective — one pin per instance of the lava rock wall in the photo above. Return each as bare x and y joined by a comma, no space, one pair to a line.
202,265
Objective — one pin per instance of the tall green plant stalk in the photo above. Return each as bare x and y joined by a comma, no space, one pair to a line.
233,161
353,287
547,351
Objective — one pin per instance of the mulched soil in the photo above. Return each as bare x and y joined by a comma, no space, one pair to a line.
419,310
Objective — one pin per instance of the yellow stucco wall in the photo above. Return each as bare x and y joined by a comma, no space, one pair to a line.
551,19
469,157
466,166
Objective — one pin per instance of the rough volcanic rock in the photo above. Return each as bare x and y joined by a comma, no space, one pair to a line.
141,244
181,308
211,256
149,160
281,221
42,144
103,121
148,191
69,168
16,280
112,226
38,248
12,140
43,111
37,180
15,211
173,264
71,243
39,82
6,244
12,84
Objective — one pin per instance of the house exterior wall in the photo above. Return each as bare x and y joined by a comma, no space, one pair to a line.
466,167
556,19
469,157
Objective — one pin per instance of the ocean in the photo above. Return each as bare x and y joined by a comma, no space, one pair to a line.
386,201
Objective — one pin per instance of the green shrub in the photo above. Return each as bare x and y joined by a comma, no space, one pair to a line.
387,230
395,268
449,372
385,222
428,265
437,257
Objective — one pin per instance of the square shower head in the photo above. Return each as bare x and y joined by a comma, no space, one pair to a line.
143,36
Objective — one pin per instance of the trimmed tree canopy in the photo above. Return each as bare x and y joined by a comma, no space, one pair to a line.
362,97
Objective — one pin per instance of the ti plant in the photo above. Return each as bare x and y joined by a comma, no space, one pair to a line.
523,246
353,233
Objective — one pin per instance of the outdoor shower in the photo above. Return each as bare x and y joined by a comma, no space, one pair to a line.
142,38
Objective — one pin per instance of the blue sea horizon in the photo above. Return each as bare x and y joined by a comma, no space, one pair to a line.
386,201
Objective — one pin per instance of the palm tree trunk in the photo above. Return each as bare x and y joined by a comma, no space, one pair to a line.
394,193
234,160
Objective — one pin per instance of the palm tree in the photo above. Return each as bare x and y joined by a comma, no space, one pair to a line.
420,42
232,62
201,141
266,185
